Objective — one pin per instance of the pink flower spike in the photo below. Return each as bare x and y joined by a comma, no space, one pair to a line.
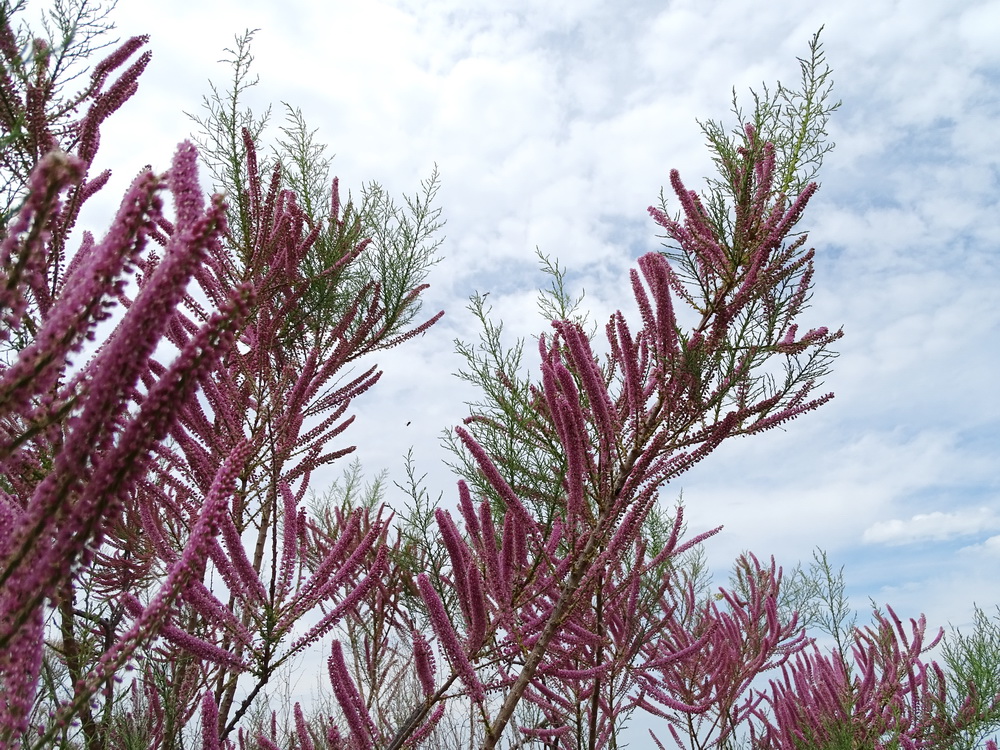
347,695
302,730
495,580
513,503
117,58
347,603
250,584
593,379
423,659
209,722
479,617
424,731
458,551
289,547
203,650
468,510
449,638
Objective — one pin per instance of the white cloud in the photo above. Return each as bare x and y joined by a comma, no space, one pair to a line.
989,548
937,526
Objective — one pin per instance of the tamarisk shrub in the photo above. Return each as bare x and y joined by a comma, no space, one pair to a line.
891,698
72,448
159,568
551,602
282,391
126,494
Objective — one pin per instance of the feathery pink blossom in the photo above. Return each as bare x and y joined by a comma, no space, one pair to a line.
449,638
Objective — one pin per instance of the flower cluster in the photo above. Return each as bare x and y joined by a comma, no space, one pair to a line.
168,392
889,697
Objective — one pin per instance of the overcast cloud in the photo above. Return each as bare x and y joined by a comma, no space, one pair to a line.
554,124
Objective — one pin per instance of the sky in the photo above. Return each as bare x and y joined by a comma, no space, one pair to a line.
554,124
